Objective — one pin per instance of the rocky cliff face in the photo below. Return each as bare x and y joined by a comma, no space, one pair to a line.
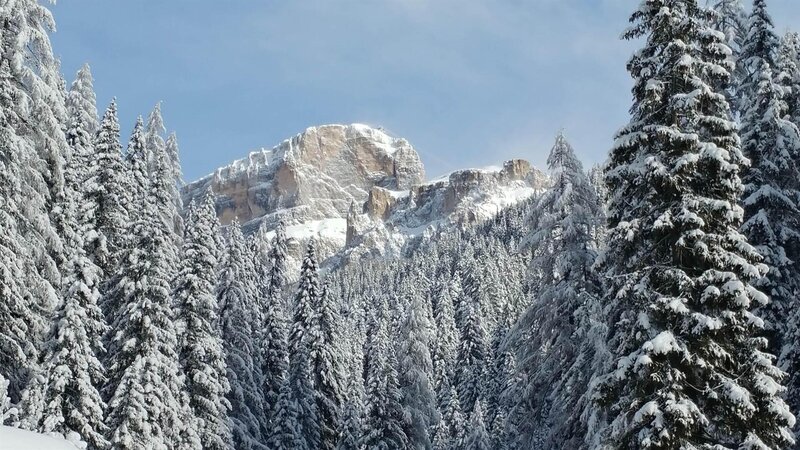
314,175
358,191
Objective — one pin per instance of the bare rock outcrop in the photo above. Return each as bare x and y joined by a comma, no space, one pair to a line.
359,191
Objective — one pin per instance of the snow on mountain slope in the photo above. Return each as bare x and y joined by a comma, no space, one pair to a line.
358,191
17,439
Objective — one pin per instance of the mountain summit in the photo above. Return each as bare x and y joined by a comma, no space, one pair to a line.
358,191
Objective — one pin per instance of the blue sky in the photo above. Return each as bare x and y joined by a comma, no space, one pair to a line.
469,83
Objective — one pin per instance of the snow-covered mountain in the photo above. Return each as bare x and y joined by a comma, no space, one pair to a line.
359,191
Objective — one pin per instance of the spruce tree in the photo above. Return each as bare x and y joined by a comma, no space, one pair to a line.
67,384
138,179
286,431
137,183
162,174
245,396
33,152
352,422
771,188
6,408
80,129
502,376
563,231
471,362
730,19
38,76
172,172
499,436
328,366
154,137
81,102
17,312
788,74
419,397
305,299
445,345
274,334
384,424
690,368
455,427
441,437
201,351
478,437
107,194
304,343
146,407
760,46
303,398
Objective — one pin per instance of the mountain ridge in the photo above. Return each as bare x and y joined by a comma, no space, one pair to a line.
358,191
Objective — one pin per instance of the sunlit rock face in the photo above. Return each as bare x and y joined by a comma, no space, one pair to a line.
320,171
358,191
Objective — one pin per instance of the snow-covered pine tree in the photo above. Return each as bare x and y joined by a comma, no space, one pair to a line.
562,236
286,431
304,301
7,409
353,411
39,77
445,345
785,317
80,129
579,417
303,398
64,398
597,178
172,162
106,193
384,419
17,312
154,137
760,46
441,437
34,148
163,173
136,183
304,333
691,369
771,188
201,351
471,361
81,100
493,296
173,154
146,407
788,74
245,395
418,396
502,372
470,279
138,179
730,19
478,437
275,333
327,364
499,435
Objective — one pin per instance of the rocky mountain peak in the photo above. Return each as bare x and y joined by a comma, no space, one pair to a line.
359,191
321,170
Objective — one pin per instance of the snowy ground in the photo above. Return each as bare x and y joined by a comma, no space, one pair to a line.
16,439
